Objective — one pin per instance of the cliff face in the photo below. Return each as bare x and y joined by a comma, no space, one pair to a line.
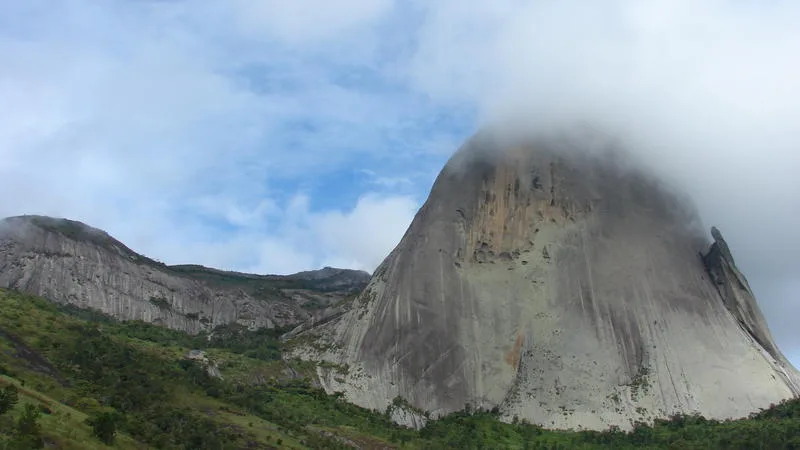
70,262
563,287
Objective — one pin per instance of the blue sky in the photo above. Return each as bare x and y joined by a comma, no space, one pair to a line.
273,136
248,121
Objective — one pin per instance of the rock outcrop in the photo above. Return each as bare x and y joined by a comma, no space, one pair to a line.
562,286
200,357
69,262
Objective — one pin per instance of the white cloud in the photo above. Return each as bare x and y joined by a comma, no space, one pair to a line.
276,256
705,92
304,21
150,119
297,239
387,181
367,233
185,128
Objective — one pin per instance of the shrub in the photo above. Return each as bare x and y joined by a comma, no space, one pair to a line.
8,398
104,426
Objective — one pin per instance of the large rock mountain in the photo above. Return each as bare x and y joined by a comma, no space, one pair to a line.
561,285
69,262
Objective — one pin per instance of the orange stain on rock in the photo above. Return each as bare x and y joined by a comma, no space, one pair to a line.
512,357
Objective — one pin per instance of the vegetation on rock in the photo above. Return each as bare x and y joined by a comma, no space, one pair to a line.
75,379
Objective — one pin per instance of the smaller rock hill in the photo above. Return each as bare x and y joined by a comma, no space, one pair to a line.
70,262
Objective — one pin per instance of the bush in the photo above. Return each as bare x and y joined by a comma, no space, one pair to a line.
104,426
8,398
28,433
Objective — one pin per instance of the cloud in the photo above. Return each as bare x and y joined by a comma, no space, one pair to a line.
177,122
380,222
293,237
309,21
704,92
386,181
237,134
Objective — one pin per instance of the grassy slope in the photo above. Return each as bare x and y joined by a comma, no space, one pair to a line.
279,413
63,425
40,325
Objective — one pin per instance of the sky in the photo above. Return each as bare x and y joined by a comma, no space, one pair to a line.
273,137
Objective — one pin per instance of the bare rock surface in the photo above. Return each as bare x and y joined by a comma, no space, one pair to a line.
70,262
563,286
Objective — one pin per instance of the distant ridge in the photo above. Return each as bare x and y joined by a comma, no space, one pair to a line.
71,262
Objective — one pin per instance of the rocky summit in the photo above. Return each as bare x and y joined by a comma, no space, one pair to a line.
559,285
70,262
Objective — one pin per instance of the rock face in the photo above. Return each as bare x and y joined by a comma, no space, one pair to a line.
562,286
69,262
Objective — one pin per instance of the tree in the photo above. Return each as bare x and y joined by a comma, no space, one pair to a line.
104,426
8,398
28,434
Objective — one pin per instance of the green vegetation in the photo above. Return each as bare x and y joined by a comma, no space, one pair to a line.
260,344
161,303
640,384
74,379
104,426
8,398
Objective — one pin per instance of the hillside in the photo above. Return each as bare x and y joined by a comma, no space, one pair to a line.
70,368
70,262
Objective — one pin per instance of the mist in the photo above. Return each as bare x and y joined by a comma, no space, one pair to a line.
704,93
